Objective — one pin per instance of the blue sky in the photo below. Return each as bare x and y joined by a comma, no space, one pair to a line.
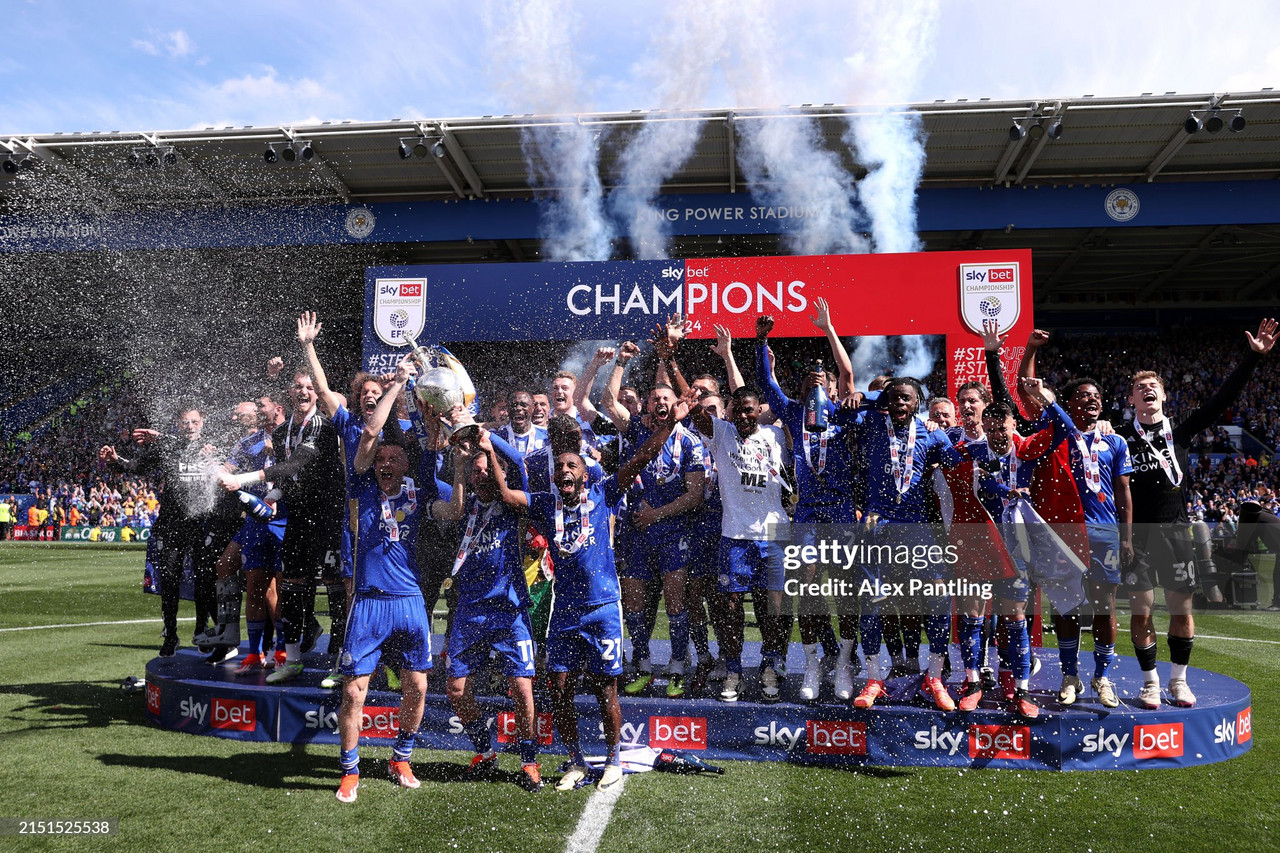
120,65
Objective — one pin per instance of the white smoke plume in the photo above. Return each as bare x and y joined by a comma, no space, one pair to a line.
904,355
536,41
889,142
689,44
870,358
783,159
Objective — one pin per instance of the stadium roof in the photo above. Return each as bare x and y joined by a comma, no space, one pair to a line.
1103,141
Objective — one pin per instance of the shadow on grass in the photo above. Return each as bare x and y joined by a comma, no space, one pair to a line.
297,769
74,704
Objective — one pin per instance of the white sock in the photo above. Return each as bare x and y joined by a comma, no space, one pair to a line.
846,653
1178,670
935,665
811,654
1150,676
1024,683
292,652
972,675
874,668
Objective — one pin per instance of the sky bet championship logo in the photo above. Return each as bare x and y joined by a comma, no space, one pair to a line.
399,309
989,292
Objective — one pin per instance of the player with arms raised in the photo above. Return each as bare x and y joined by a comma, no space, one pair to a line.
1162,534
585,634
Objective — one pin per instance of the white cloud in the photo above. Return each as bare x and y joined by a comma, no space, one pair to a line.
176,44
179,44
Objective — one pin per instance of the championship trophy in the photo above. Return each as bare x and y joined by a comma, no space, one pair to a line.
442,388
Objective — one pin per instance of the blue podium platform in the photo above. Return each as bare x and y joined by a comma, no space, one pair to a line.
184,694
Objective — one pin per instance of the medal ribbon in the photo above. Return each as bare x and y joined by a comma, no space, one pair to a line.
584,525
468,538
902,468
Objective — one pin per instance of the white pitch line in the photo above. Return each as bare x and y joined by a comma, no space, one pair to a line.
1236,639
88,624
595,818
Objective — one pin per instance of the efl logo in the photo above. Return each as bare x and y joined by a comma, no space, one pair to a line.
1163,741
835,737
678,732
237,715
1000,742
507,733
411,289
1244,725
380,722
153,699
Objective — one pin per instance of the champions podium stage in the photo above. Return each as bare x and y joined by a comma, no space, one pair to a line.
184,694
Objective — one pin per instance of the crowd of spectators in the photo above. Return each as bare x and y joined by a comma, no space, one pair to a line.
60,469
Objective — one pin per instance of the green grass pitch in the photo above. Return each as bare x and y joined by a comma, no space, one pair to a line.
74,746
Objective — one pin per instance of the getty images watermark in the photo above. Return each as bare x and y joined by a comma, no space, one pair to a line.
848,562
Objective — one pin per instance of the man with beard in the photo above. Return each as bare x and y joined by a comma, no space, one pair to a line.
585,635
520,431
184,468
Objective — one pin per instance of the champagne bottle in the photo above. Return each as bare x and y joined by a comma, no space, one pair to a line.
815,405
256,506
675,761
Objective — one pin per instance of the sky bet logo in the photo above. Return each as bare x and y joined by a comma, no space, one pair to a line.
678,732
1103,742
1007,742
404,288
835,737
237,715
992,275
374,721
1160,741
507,732
1235,731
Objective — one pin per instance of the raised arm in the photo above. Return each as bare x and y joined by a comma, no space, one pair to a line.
666,338
723,347
614,410
373,426
518,498
822,321
992,340
1207,415
582,391
1060,425
702,421
1037,339
308,331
